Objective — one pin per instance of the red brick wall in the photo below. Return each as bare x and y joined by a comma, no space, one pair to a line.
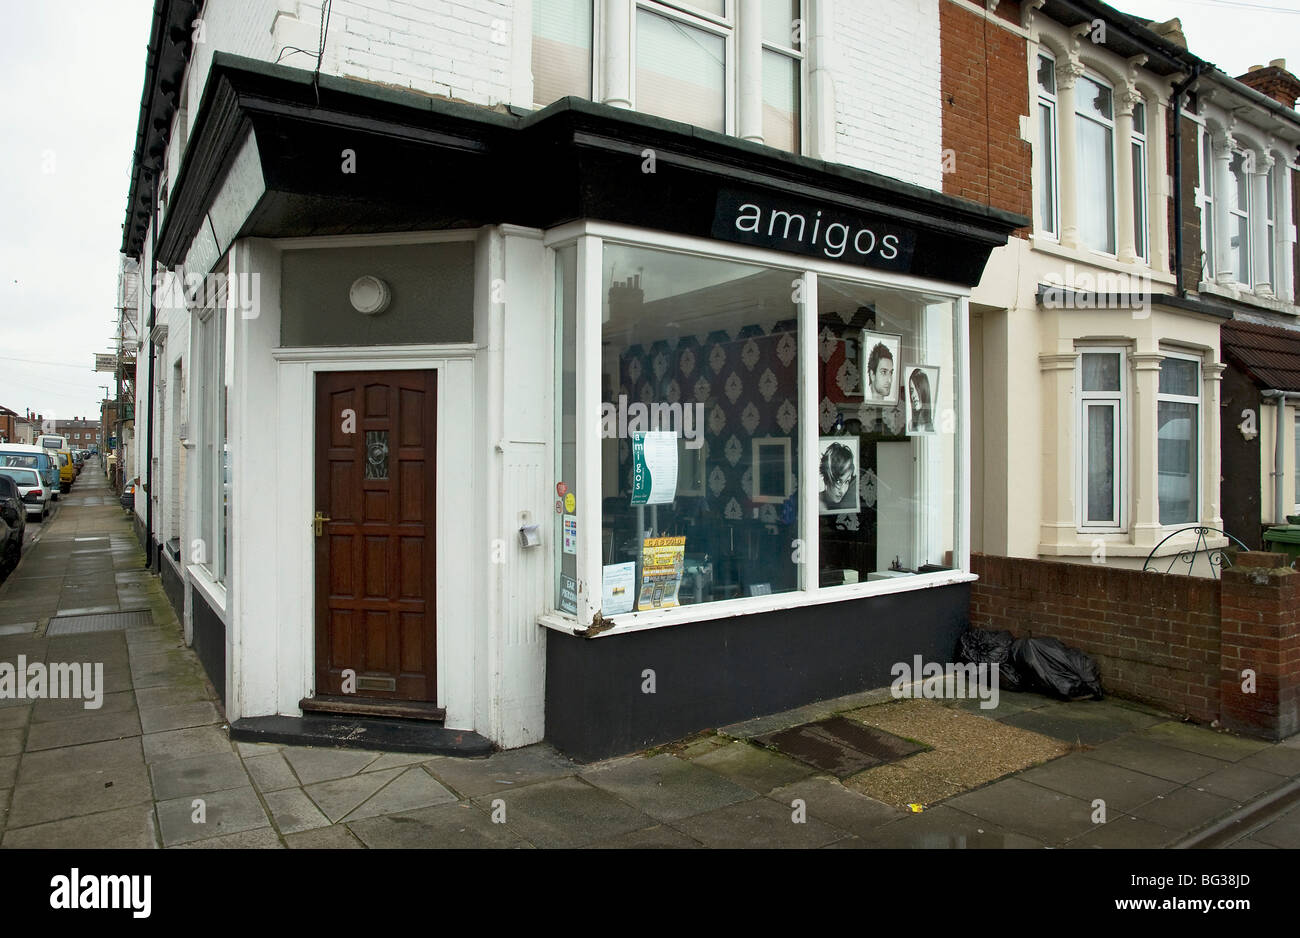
1154,636
985,93
1178,642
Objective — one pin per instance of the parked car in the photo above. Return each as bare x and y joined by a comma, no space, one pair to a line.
128,496
35,494
67,472
33,457
13,523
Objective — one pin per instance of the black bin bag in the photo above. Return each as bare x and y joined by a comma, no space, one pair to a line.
980,646
1051,667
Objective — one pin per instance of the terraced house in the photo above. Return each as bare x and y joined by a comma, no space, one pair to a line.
417,250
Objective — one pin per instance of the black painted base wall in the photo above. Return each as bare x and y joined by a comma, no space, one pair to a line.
174,587
210,642
710,674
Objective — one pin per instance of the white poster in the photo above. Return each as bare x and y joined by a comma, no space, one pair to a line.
618,588
570,534
654,467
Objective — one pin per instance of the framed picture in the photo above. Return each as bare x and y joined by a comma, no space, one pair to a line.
880,367
773,472
922,383
837,466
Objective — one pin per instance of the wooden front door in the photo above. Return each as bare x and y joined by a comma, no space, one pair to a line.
375,482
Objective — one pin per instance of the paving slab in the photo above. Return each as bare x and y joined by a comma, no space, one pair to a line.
51,711
11,742
666,787
1276,759
182,744
1153,758
751,767
1205,741
565,812
262,838
325,838
172,695
758,823
224,812
1089,779
200,713
944,828
293,812
337,797
827,800
130,828
64,796
1089,722
8,771
270,772
444,827
1184,809
94,727
413,788
501,771
1239,782
111,755
659,837
197,775
1283,832
1016,805
317,765
1126,833
773,723
15,717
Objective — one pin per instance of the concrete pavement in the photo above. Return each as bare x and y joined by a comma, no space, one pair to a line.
153,766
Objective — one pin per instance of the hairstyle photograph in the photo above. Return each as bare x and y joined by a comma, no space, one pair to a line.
880,367
838,475
921,397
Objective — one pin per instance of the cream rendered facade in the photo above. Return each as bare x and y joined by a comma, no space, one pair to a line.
1029,439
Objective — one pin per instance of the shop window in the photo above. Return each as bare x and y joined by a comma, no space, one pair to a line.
699,428
1102,421
1048,196
210,550
1178,447
562,46
566,455
1095,107
887,442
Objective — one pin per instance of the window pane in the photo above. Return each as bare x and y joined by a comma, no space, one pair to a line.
1208,218
680,71
566,457
1046,74
708,6
1139,200
1207,167
1140,118
780,101
1101,463
1239,228
1180,376
1101,371
1177,462
561,49
1094,99
1240,194
700,368
1047,139
778,22
1096,186
888,447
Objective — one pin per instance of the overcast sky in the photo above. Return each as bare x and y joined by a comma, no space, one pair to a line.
72,73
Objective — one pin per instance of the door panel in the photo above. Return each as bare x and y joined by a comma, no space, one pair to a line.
375,476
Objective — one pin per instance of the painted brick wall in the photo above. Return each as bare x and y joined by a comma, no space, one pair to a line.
1178,642
887,115
984,95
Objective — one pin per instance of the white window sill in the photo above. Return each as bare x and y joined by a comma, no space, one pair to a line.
1243,294
213,592
1085,547
1140,268
753,605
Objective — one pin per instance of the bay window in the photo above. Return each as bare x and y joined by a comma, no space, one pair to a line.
1095,108
1238,196
1138,142
1178,427
1103,425
751,440
1269,247
1207,205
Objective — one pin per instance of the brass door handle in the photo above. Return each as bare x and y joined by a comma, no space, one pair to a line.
320,519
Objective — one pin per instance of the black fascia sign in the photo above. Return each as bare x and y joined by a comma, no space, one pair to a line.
802,228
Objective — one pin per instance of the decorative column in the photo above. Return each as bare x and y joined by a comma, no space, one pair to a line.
1059,431
1158,186
617,44
1126,99
1211,383
1223,145
1286,228
1067,74
1260,242
1145,458
749,56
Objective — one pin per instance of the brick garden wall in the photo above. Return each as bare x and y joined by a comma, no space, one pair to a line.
1179,642
985,93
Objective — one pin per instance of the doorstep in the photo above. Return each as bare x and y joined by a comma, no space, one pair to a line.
361,733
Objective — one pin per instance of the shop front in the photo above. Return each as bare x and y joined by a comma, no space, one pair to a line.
575,424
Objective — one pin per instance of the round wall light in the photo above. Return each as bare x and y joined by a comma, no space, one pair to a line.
369,295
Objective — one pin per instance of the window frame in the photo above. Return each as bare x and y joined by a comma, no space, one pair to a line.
1110,123
1141,194
1242,213
1119,401
1052,102
594,73
590,237
1198,480
1271,208
800,56
705,22
1208,247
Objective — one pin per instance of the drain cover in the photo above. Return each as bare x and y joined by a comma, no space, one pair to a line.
102,622
841,746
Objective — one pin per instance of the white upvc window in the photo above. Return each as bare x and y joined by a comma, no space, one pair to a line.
1103,422
1270,248
1207,204
1049,199
563,38
1095,111
1238,196
1178,426
682,56
1138,142
783,85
